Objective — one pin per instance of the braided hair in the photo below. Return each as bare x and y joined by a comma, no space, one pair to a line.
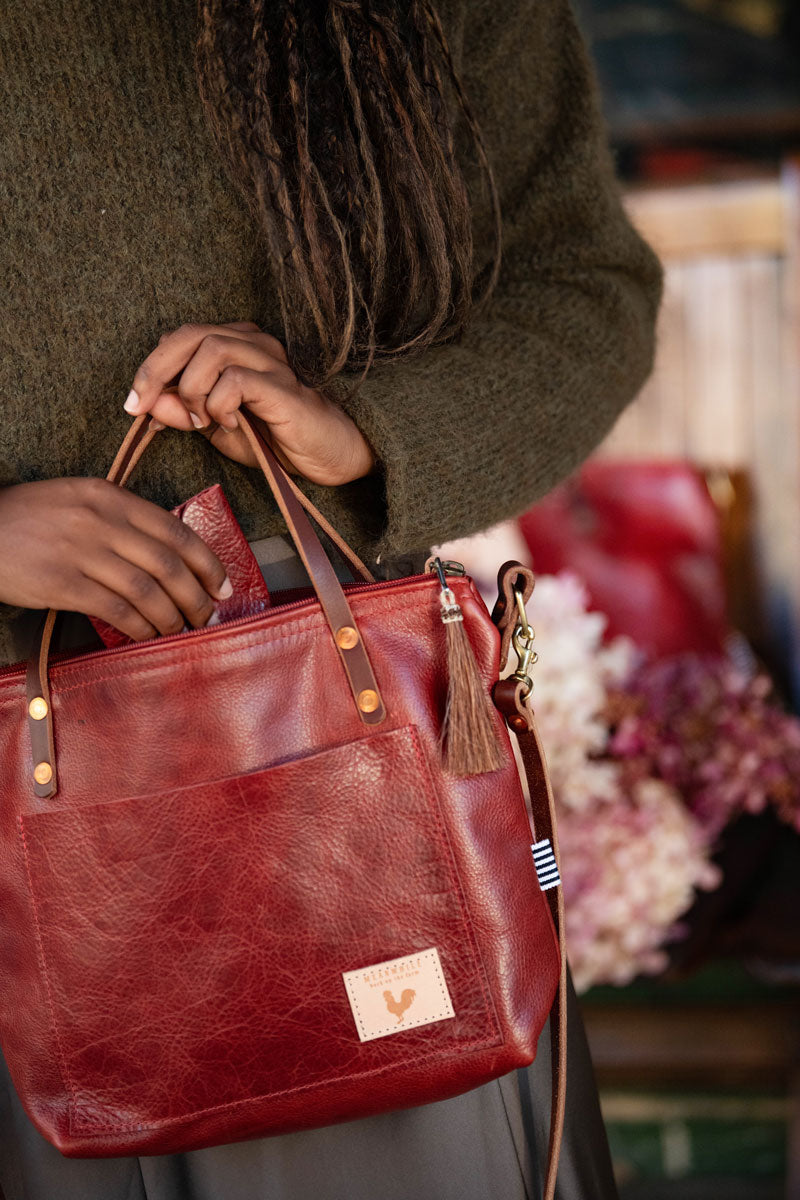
333,119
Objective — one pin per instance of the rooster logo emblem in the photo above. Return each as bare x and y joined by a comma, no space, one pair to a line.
398,1007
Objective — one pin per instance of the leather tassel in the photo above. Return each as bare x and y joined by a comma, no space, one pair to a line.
468,737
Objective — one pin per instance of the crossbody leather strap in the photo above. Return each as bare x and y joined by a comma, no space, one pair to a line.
512,698
350,648
545,827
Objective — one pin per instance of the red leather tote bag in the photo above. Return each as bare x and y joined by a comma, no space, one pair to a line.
241,895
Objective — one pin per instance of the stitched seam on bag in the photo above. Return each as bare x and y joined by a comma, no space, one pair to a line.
447,845
100,1126
64,1066
178,659
264,637
170,661
169,658
303,628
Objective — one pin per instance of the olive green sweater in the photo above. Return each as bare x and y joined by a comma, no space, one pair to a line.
118,223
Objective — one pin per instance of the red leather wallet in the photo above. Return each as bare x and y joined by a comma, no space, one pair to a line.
211,517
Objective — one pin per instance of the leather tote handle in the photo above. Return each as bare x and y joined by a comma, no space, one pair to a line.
141,434
293,505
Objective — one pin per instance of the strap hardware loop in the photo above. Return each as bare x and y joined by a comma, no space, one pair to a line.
522,641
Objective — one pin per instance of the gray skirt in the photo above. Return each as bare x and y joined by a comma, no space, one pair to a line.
489,1144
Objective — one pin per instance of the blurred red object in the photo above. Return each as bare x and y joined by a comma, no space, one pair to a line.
645,538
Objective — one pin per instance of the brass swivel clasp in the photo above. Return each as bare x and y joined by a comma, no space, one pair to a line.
522,641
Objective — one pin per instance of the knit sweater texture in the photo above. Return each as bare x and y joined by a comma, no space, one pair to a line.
118,223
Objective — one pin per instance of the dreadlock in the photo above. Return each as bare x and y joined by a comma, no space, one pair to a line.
332,116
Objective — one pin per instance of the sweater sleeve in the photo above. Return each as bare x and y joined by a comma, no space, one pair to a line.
472,432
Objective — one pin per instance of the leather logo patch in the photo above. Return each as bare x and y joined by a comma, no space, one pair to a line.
399,994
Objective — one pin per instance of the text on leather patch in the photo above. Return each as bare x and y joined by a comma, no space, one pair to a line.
402,993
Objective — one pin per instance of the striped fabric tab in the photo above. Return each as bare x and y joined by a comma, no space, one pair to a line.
546,866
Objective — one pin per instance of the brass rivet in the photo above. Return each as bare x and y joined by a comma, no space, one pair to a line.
38,708
43,772
346,637
368,700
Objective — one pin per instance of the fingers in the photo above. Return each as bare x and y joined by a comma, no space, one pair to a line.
170,410
137,590
238,385
178,547
214,354
247,326
87,546
108,605
160,585
145,588
162,365
172,359
163,575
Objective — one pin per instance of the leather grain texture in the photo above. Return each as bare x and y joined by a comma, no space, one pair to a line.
228,837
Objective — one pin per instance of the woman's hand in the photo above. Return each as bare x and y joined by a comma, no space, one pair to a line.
217,369
88,546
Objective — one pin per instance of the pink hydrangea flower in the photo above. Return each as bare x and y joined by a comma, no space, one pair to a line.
714,733
632,855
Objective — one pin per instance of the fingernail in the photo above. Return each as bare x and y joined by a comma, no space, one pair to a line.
196,421
232,427
131,405
156,425
225,590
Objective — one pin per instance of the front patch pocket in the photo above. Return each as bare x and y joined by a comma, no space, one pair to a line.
194,942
